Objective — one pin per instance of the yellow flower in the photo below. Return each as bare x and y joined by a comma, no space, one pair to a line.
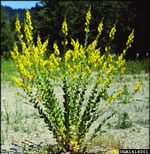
111,68
65,28
64,43
18,82
112,32
28,89
83,74
99,80
74,76
27,34
44,47
130,39
53,77
119,93
124,51
103,68
137,86
32,76
100,27
56,50
40,97
88,17
109,99
17,24
106,81
15,53
28,19
88,69
122,70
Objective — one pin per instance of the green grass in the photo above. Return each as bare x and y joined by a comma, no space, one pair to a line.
137,66
8,69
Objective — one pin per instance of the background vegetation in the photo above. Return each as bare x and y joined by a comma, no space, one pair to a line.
48,17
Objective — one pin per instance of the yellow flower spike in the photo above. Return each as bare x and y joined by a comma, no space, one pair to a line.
39,44
130,39
18,82
17,25
112,32
109,99
56,50
88,17
44,47
106,81
103,68
137,86
15,53
110,58
111,68
122,70
27,34
119,93
100,27
65,28
28,19
88,69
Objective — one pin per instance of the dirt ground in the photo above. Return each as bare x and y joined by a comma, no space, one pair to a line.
20,122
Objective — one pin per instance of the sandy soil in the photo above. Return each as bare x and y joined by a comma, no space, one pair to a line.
24,123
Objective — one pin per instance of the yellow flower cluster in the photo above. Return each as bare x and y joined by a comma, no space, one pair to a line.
112,32
56,50
32,57
93,54
103,67
88,17
130,39
109,99
110,70
18,82
54,63
88,69
106,81
18,26
65,28
75,55
27,34
100,27
15,53
28,20
79,61
121,63
119,93
137,86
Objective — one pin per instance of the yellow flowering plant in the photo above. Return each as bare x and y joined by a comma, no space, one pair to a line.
81,67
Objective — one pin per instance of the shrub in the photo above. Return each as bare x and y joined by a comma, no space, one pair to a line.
81,67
